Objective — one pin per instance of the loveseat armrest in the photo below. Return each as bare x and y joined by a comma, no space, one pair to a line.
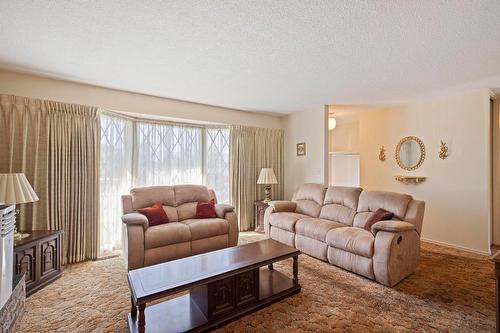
135,219
392,226
283,206
222,209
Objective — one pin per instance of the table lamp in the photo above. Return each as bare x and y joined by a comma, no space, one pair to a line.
15,189
267,177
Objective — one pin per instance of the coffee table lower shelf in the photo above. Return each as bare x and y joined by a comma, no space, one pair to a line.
182,314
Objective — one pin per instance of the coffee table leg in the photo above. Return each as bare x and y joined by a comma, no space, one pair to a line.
133,309
270,266
295,270
142,318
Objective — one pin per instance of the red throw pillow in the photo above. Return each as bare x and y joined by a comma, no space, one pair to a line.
205,210
379,215
156,214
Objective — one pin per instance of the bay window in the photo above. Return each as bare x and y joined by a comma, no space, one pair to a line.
136,152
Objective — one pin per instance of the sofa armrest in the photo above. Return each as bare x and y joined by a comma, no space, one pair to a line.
222,209
283,206
232,220
136,219
392,226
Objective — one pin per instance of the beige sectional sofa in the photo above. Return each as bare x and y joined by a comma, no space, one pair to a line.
328,223
184,235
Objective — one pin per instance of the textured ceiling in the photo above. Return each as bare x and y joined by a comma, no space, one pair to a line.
276,56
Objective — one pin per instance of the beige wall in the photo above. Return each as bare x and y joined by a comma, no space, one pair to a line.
495,125
345,136
457,191
116,100
308,127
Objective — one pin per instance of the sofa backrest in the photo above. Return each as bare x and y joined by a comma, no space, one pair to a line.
340,204
186,199
370,201
309,198
179,201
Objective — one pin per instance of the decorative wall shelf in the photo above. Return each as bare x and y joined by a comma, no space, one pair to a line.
410,179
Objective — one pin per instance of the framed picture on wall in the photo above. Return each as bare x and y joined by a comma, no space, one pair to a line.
301,149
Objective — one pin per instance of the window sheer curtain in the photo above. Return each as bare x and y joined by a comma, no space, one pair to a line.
136,152
168,154
217,162
115,177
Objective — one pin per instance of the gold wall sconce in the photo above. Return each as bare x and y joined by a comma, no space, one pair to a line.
381,154
443,150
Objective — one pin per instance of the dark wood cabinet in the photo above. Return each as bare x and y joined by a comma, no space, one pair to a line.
38,257
260,209
222,297
247,288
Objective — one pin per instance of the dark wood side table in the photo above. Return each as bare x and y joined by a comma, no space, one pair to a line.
496,260
38,257
260,209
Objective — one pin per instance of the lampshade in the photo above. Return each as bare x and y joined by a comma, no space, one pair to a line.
332,123
267,176
15,189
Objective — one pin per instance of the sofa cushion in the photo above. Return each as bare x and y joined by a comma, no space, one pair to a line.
282,236
345,196
155,214
351,262
204,228
309,198
285,221
147,196
166,234
312,247
171,213
396,203
338,213
379,215
186,211
205,210
340,204
308,208
315,228
360,219
353,240
190,193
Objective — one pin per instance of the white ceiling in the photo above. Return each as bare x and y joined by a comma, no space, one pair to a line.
276,56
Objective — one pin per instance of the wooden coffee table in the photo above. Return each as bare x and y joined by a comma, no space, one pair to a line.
223,285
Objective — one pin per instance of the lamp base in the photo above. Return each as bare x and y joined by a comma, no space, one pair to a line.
18,235
268,194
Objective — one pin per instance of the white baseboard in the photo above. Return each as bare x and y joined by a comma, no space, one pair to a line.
458,247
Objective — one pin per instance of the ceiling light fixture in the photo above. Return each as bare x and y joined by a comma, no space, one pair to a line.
332,122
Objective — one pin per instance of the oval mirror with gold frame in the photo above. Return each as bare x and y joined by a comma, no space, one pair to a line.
410,153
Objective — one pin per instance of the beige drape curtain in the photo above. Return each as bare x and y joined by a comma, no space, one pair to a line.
74,141
57,146
24,148
252,149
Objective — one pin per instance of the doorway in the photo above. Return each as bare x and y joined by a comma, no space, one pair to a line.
344,161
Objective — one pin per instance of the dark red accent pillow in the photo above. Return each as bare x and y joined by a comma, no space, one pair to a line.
156,214
205,210
379,215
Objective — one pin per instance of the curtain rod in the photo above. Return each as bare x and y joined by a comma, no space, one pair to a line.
159,122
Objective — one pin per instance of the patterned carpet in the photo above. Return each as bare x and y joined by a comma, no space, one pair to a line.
451,291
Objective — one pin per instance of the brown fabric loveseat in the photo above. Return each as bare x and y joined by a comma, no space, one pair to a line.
184,235
328,224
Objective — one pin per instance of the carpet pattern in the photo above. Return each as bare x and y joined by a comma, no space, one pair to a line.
451,291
